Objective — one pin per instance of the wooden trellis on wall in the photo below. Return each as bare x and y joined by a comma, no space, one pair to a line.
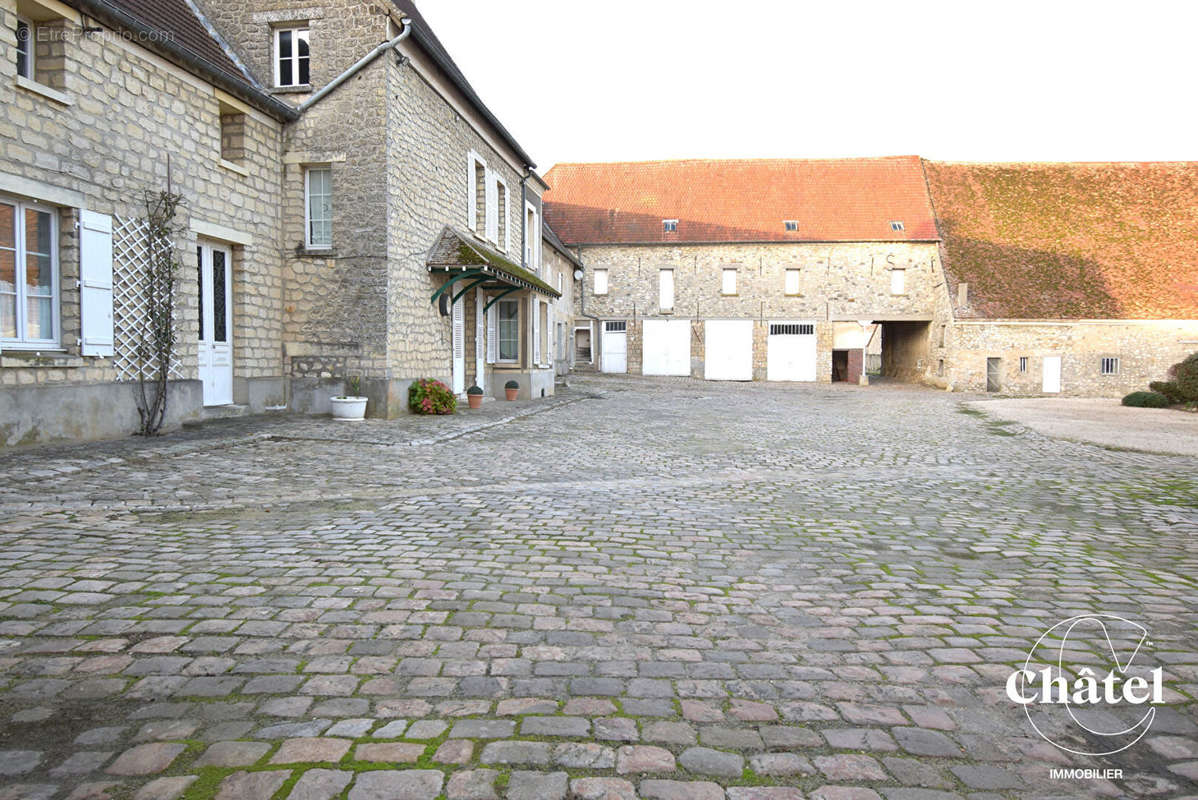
130,261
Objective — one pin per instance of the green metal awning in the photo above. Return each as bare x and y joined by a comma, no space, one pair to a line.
469,264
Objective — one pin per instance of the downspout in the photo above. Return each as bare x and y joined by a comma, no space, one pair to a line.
362,62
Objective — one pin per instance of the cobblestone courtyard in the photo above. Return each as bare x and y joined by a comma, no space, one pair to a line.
671,590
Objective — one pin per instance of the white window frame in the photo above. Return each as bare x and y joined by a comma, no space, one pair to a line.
308,170
725,274
898,282
30,48
19,255
602,282
295,57
499,359
669,226
787,289
473,162
662,294
532,242
495,184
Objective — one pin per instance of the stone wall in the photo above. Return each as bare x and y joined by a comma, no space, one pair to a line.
127,115
558,271
1145,349
837,282
428,140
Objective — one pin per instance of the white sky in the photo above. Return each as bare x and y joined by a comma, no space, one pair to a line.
964,80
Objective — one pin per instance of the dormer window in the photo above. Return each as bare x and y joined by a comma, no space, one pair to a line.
669,225
896,225
291,57
791,225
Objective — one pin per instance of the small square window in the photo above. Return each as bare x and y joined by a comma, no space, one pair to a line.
728,285
291,57
896,225
1110,366
600,281
791,225
669,225
1023,363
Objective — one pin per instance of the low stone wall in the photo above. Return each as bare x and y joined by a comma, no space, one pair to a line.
55,412
1145,350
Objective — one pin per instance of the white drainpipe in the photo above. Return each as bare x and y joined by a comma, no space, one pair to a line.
362,62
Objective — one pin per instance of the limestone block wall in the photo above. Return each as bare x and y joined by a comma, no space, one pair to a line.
129,114
558,271
335,306
428,140
836,281
1145,349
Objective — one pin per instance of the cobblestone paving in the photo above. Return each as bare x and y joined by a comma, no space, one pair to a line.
670,590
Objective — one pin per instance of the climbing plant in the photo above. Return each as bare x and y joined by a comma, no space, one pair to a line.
156,345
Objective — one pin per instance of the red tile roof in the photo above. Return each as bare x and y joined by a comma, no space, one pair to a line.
1070,241
837,200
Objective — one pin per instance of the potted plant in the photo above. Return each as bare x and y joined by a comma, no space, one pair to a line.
511,389
474,396
350,406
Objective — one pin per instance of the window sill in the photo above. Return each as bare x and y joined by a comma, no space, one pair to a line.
794,295
303,89
729,294
666,312
45,91
315,252
234,167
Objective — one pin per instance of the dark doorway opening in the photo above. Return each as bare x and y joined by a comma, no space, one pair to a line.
840,365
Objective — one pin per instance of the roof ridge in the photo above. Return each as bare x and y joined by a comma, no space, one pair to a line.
964,163
676,161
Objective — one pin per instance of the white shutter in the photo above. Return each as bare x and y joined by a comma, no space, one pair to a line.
471,195
95,282
507,204
492,336
536,331
492,193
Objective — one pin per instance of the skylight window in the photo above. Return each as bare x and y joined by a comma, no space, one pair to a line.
896,225
791,225
669,225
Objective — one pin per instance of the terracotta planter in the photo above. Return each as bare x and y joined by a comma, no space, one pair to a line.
511,393
475,400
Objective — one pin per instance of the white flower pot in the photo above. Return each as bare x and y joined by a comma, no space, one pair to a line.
349,408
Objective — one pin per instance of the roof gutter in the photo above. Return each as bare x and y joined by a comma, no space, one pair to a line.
362,62
151,38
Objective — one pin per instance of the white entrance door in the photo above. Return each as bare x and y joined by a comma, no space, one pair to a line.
1052,374
667,344
729,350
459,347
614,355
790,352
216,324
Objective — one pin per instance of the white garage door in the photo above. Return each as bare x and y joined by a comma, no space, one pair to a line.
614,352
667,344
729,350
790,352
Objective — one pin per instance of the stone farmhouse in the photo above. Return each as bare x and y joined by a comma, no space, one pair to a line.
352,209
356,215
1071,279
